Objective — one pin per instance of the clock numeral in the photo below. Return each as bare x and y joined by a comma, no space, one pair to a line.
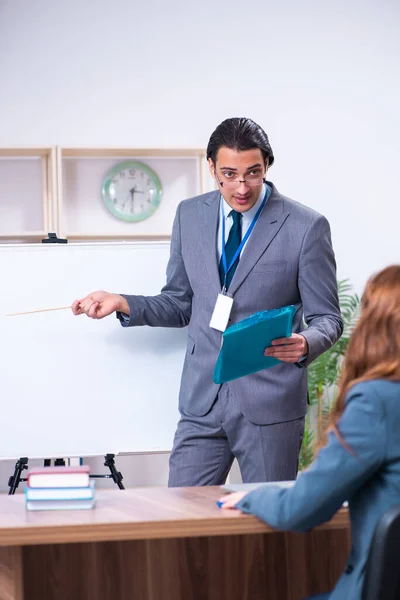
122,175
148,181
132,172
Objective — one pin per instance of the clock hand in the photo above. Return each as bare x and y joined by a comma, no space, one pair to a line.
132,193
126,199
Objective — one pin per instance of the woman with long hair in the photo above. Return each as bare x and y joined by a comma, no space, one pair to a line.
363,441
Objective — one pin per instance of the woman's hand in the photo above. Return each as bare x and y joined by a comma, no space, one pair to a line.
230,500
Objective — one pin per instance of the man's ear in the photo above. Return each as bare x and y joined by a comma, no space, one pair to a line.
211,167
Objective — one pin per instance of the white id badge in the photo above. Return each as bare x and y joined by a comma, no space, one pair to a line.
222,310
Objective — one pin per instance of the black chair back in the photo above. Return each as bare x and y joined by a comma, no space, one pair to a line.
382,575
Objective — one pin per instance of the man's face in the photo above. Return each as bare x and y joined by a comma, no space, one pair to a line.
233,165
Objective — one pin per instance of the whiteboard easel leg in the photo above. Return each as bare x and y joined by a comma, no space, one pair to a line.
14,480
115,475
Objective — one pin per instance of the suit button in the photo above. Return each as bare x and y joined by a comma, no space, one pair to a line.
246,505
349,569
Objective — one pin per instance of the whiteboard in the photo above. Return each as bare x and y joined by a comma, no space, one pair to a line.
73,386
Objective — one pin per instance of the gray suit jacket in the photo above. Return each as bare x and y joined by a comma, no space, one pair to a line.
369,479
287,260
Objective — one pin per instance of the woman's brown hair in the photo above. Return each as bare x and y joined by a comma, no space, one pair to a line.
373,351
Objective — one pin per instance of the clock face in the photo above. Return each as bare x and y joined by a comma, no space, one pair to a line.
131,191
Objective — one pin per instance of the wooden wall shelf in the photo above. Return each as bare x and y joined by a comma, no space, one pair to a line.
27,193
60,189
81,211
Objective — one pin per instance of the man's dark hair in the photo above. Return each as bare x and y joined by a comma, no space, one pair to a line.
239,134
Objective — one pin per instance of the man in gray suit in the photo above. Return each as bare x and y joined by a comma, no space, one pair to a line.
248,243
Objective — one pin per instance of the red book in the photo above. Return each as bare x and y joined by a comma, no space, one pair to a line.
58,477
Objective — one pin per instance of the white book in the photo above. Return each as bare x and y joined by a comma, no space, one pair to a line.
57,477
59,504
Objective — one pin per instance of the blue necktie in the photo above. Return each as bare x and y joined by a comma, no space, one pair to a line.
232,244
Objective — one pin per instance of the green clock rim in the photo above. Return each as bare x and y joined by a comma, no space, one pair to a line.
105,190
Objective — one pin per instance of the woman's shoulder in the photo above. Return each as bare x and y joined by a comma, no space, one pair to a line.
373,388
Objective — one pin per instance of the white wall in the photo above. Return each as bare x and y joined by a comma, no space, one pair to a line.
320,76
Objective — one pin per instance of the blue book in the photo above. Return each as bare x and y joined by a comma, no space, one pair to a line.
61,493
244,343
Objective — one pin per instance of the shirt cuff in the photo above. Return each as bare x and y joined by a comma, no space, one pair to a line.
302,362
122,318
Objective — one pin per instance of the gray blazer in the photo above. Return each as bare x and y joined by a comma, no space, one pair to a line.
369,479
287,260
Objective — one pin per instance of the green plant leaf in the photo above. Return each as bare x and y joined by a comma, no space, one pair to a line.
324,371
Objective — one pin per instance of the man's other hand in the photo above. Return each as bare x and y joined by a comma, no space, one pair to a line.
290,349
98,305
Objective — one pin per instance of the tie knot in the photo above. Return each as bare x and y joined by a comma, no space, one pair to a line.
236,216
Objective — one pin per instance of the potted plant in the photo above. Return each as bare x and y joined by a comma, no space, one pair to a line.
323,376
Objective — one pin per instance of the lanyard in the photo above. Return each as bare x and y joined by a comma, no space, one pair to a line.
244,240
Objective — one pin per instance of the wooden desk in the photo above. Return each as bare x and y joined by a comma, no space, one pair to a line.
162,544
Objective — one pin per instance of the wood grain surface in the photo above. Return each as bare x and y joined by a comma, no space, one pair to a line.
11,575
140,513
162,544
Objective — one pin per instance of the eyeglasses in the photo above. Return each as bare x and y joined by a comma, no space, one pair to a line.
251,181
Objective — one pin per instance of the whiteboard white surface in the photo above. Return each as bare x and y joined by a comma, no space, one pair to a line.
72,386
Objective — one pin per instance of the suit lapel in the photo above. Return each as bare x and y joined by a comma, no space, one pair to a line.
209,219
268,225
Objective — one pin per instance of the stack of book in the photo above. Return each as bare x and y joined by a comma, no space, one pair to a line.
59,488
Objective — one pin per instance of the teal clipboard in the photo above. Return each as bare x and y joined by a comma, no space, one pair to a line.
243,343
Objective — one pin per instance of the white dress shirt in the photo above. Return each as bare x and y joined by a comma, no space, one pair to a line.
247,218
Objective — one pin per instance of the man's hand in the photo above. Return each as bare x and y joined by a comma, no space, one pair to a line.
100,304
290,349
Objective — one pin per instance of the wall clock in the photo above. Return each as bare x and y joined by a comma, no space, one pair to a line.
131,191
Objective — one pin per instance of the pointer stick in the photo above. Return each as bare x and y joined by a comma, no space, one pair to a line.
29,312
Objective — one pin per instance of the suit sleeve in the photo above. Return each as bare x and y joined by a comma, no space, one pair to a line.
318,290
173,306
335,475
